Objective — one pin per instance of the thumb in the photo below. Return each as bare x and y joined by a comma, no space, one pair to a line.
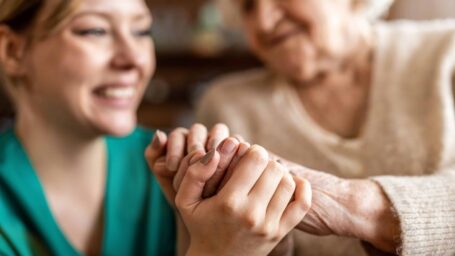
192,186
156,150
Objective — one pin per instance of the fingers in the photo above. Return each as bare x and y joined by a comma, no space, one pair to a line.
227,150
156,148
186,162
154,154
298,208
241,151
197,138
218,133
239,138
164,178
191,188
247,171
176,148
266,186
281,198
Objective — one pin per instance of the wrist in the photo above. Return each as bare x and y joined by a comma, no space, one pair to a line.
372,215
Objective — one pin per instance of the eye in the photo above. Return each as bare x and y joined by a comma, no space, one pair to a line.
144,33
91,32
248,6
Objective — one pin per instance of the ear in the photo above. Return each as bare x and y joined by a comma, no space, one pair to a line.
12,49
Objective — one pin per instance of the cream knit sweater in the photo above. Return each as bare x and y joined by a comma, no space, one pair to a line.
407,144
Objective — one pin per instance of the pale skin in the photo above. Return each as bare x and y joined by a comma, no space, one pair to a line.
239,181
61,110
324,48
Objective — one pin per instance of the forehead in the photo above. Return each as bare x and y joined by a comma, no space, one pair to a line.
108,7
121,6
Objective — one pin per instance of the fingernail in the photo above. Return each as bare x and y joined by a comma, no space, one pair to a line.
227,147
208,157
194,159
156,142
173,164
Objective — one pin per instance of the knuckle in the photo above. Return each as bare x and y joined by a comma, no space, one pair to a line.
288,184
252,221
270,233
195,175
276,168
231,206
258,154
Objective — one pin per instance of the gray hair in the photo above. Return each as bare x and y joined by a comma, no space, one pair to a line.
371,9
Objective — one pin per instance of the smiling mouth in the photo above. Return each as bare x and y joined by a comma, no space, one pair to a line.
278,39
116,92
117,97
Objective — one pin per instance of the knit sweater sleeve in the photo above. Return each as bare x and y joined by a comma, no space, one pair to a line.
425,206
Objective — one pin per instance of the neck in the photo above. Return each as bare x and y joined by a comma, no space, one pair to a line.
60,155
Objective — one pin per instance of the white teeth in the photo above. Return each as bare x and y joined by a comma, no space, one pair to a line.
119,93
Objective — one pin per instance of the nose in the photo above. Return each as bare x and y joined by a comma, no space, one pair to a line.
128,52
267,15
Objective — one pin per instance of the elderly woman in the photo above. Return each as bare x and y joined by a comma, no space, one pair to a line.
371,107
73,177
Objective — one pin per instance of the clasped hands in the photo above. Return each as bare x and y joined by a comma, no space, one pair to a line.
238,199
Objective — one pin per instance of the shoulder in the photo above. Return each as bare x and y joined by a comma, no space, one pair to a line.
408,39
415,53
420,27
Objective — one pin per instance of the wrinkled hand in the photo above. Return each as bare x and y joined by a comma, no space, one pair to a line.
352,208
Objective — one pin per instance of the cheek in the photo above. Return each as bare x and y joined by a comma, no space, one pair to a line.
58,64
150,66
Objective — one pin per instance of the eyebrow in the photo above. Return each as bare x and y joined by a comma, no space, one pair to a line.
139,16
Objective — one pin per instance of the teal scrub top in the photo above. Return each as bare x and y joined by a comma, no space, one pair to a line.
137,218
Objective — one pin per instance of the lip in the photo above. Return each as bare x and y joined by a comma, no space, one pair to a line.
117,95
279,38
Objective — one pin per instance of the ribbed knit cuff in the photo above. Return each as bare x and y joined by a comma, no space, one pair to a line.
426,209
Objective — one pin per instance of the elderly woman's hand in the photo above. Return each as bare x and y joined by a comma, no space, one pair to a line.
353,208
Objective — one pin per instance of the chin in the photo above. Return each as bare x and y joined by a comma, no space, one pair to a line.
119,127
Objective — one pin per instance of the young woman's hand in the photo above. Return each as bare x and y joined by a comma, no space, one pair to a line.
166,154
255,208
